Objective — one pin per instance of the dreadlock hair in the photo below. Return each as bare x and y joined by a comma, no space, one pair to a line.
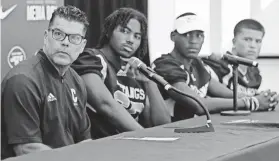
248,24
70,13
121,17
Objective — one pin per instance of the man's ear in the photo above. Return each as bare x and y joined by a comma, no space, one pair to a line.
172,35
45,35
233,40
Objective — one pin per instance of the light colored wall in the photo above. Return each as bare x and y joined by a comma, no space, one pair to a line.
270,72
221,16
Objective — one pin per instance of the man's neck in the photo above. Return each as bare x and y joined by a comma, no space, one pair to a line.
60,69
110,52
182,59
242,69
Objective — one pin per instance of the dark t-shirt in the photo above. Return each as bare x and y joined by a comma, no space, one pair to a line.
125,90
173,71
248,83
39,106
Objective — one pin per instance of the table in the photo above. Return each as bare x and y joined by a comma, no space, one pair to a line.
227,143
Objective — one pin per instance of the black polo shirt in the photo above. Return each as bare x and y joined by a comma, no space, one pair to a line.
40,106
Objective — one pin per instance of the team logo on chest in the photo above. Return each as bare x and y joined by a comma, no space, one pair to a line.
132,92
74,97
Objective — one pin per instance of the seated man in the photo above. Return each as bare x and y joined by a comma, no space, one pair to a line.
247,42
122,98
183,69
43,99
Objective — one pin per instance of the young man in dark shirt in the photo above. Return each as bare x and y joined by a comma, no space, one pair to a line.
185,71
43,99
247,42
123,98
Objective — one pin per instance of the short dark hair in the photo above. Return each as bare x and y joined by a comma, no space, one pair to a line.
248,24
121,17
71,13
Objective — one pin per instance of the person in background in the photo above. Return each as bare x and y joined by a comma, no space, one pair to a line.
119,96
247,42
43,99
184,70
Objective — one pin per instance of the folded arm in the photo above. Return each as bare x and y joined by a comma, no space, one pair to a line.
101,99
155,103
214,105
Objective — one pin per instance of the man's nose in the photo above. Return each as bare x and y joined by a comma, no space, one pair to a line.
253,44
193,39
66,41
130,39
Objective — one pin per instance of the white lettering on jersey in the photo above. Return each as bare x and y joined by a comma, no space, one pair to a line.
202,91
134,108
245,90
131,92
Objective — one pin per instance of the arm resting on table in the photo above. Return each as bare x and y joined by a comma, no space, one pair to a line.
101,99
21,149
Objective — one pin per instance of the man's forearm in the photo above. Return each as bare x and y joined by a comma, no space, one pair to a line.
21,149
158,108
216,105
119,117
99,97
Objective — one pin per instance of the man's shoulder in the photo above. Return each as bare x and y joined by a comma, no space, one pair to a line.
89,61
165,57
27,68
166,60
74,75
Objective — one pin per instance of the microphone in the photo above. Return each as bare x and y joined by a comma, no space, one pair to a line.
152,75
233,59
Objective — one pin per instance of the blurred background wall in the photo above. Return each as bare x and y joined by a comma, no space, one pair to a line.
220,16
23,23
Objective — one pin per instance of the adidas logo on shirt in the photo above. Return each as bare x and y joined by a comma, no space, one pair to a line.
51,97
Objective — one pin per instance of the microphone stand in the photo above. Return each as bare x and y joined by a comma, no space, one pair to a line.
201,129
170,89
235,111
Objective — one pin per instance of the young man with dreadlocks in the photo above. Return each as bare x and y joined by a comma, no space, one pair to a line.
123,98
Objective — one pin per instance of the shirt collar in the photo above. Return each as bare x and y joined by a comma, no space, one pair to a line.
49,65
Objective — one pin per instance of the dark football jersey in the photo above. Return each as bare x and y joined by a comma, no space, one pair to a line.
125,90
248,83
173,71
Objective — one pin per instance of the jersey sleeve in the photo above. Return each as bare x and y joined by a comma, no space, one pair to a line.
90,61
20,107
169,69
219,67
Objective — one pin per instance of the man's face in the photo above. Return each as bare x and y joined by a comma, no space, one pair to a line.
63,52
125,40
188,44
247,43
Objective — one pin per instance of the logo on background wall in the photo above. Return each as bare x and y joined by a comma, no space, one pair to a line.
40,10
4,14
15,56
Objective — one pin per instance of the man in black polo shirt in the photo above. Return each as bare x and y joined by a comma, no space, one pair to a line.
43,99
